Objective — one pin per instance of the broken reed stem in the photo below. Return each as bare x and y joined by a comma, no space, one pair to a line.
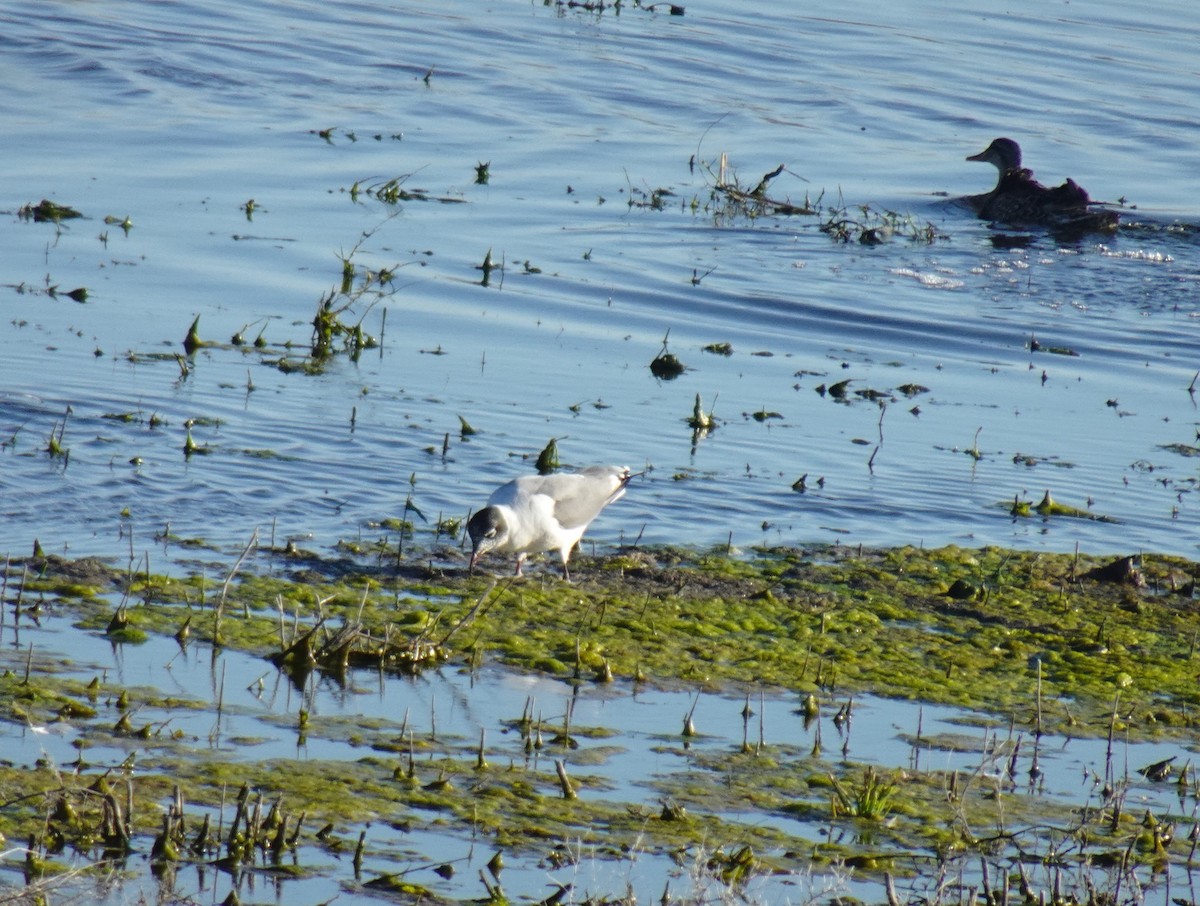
890,887
1038,724
358,851
21,592
282,622
481,760
229,581
478,610
128,808
4,589
564,781
363,603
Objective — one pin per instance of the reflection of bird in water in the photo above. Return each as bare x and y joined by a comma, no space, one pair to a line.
1019,199
544,512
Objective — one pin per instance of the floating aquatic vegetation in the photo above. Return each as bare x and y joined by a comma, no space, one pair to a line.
666,366
836,391
125,223
47,211
615,6
79,294
393,192
1036,346
1048,507
867,226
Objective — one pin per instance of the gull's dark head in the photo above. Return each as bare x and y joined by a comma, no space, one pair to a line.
487,530
1003,153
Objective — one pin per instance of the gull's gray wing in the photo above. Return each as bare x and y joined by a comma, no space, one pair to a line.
580,496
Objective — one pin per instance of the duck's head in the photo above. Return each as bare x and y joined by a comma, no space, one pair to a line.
1003,153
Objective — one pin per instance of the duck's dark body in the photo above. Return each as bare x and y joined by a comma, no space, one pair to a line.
1020,200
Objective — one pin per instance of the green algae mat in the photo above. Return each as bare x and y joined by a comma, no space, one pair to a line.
1068,645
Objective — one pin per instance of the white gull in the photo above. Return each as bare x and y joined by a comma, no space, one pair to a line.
544,512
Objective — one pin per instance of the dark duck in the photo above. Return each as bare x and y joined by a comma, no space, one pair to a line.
1020,200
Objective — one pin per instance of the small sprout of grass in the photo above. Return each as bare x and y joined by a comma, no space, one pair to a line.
810,709
737,867
190,446
79,295
481,173
725,349
465,429
702,422
870,799
547,460
192,341
489,263
54,446
496,864
973,450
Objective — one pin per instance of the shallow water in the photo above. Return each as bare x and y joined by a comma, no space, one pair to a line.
640,754
176,115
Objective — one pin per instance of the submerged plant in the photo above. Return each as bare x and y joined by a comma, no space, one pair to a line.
870,798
